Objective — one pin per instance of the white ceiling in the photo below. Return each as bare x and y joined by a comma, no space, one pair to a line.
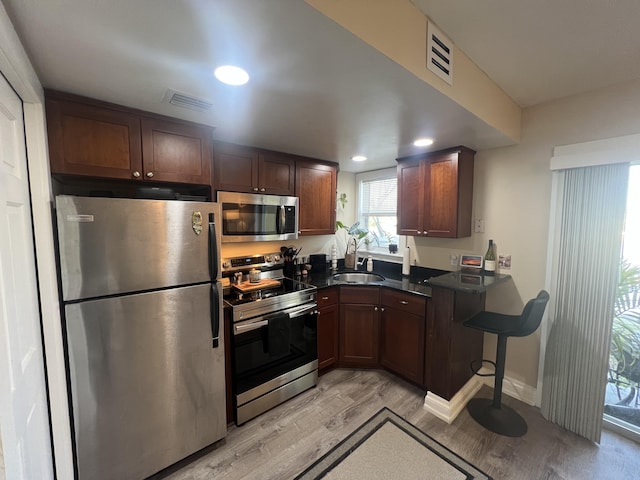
316,89
544,49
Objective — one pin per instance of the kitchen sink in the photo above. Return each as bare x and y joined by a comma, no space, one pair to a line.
357,277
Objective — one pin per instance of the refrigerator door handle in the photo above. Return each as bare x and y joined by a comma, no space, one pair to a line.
213,248
215,315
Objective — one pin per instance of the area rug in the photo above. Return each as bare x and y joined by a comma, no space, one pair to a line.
388,447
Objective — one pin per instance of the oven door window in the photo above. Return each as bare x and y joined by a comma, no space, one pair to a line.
269,351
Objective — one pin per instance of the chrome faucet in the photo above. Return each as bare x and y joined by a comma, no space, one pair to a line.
355,267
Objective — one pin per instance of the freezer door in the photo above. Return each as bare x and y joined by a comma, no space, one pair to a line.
115,245
147,387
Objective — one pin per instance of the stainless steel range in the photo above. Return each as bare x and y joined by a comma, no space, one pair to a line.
274,334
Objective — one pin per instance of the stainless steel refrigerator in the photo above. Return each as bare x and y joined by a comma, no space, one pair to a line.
144,331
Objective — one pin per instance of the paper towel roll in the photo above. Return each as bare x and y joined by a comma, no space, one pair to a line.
406,261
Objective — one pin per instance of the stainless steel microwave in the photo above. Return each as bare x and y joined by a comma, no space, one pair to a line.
248,217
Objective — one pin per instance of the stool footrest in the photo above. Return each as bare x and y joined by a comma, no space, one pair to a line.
475,368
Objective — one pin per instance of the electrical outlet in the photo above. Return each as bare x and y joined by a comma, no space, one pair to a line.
453,258
478,225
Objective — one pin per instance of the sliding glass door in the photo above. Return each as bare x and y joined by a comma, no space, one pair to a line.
622,400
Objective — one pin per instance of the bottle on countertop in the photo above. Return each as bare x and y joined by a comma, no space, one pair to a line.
369,264
490,260
334,258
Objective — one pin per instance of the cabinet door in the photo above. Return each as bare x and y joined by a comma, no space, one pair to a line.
359,335
316,189
437,370
276,173
441,202
235,168
94,141
449,192
176,152
402,330
328,330
402,343
410,198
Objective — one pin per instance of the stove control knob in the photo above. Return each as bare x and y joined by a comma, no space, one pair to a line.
276,258
226,264
268,258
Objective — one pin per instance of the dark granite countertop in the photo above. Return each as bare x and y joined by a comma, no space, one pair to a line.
469,282
419,281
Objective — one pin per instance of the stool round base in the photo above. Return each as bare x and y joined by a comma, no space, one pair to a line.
503,421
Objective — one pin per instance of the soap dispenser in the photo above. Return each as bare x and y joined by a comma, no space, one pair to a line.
369,264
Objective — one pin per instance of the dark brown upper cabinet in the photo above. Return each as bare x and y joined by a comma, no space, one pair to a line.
316,187
92,138
435,192
251,170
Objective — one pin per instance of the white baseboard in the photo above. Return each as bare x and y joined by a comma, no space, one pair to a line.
448,410
514,388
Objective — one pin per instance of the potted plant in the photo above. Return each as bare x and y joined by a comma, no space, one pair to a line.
355,236
391,238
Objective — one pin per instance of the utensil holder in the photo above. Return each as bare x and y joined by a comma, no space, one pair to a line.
289,269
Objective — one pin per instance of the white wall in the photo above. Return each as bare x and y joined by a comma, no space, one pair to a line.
512,190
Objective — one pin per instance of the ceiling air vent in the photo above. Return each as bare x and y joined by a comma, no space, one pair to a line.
439,53
187,101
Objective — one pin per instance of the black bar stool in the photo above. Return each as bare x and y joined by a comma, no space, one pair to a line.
489,413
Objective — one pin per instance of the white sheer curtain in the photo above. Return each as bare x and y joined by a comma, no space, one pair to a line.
583,283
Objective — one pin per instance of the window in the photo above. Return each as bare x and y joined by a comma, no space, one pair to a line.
377,202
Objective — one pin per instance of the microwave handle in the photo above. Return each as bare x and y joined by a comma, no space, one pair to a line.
281,220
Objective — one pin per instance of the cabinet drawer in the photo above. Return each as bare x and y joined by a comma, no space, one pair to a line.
327,296
364,295
405,302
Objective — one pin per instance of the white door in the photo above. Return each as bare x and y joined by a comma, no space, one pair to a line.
24,418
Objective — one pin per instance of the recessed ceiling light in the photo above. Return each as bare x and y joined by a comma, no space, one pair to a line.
231,75
358,158
423,142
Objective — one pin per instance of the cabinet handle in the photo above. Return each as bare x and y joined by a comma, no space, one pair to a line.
263,190
382,309
325,298
404,302
255,189
136,174
375,308
149,174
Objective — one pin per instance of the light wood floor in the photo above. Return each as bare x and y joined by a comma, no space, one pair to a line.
284,441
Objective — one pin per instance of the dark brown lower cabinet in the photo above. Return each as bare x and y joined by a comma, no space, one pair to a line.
402,327
359,335
450,346
359,318
328,327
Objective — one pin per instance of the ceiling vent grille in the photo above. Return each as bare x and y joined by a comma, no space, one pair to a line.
439,53
187,101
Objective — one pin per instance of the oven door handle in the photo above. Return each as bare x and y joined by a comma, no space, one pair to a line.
264,321
250,326
298,311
